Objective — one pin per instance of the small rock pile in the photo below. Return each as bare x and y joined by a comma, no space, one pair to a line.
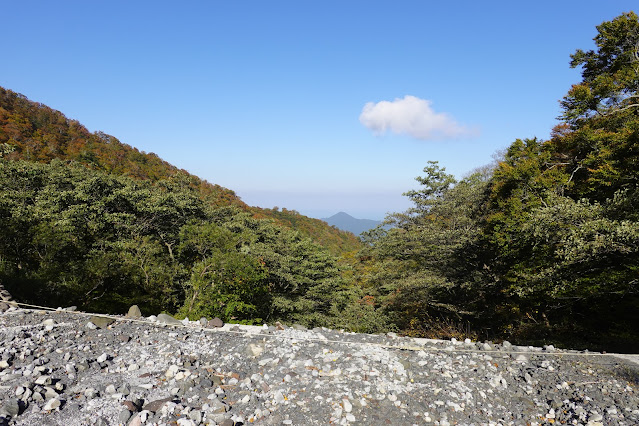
66,368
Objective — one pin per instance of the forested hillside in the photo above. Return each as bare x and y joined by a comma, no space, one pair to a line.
542,247
35,132
72,235
90,221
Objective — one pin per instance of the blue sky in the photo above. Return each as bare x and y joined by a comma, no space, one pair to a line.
317,106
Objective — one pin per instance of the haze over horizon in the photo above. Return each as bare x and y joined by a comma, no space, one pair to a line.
315,107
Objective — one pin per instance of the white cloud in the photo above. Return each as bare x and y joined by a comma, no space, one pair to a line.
414,117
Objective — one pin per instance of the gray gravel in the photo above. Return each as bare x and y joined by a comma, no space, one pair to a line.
61,368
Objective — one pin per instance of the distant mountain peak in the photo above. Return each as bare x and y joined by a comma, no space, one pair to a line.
346,222
342,214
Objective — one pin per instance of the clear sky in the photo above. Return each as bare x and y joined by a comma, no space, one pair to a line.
317,106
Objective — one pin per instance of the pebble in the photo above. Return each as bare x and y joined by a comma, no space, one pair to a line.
145,373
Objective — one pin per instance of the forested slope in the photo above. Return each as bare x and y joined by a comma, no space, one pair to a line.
542,247
38,133
90,221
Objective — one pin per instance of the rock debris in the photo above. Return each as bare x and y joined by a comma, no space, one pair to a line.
61,368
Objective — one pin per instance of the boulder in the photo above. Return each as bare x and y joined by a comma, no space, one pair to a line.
134,312
168,319
215,323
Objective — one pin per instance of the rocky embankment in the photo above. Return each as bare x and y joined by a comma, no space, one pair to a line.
66,368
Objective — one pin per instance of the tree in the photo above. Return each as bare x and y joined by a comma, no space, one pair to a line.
427,259
610,73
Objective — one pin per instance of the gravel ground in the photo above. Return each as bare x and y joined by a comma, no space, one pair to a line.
64,368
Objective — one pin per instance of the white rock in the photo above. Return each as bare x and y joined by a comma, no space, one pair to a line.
278,397
173,369
255,350
52,404
42,380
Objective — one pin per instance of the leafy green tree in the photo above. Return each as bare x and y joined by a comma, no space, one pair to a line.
427,258
610,73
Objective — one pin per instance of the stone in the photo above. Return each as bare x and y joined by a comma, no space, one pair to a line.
156,405
91,393
279,397
101,321
124,416
43,380
217,406
254,349
172,371
134,312
49,392
168,319
52,404
135,421
521,358
11,407
196,416
129,405
215,323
